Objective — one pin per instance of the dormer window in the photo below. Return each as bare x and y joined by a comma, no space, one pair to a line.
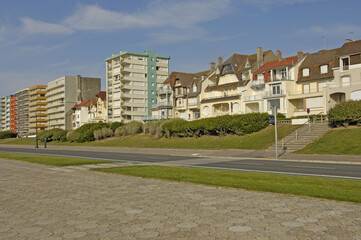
305,72
227,69
194,88
324,69
248,65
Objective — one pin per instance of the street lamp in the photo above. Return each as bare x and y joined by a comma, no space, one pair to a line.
36,130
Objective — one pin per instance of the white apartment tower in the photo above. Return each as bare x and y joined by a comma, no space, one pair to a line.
63,93
132,81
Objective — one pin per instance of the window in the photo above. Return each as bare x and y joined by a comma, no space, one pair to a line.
305,72
283,73
315,102
194,88
345,63
306,88
179,91
345,81
276,90
227,69
157,68
324,69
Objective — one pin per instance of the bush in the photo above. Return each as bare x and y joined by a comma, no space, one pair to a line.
221,125
7,134
116,125
152,128
86,132
281,116
345,113
73,136
103,133
131,128
55,134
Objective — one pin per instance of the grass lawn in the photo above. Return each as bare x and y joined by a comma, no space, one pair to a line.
336,189
260,140
339,141
49,160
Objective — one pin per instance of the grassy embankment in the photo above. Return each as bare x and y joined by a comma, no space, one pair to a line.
339,141
336,189
49,160
259,140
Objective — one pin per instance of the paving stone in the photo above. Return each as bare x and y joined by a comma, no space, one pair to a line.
81,204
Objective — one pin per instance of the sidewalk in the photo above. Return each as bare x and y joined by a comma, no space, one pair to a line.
226,153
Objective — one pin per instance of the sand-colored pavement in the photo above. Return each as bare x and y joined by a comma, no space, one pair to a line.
42,202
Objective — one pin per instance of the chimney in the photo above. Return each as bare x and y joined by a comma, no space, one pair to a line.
348,40
279,55
299,55
260,57
212,66
220,61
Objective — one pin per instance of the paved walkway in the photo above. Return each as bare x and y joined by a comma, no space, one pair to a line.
42,202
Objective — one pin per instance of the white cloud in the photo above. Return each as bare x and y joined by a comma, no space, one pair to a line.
337,30
168,21
31,26
267,4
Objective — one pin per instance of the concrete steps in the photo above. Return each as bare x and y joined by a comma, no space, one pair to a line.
300,138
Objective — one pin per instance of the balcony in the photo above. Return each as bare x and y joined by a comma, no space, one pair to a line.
256,84
222,96
163,105
126,70
270,94
251,98
163,91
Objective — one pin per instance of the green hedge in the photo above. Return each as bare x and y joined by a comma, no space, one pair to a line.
345,113
86,132
7,134
221,125
55,134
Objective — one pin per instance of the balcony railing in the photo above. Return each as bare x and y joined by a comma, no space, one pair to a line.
270,94
257,83
253,98
161,104
165,91
222,96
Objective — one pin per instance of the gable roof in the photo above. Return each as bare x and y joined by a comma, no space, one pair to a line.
85,103
289,61
314,61
102,95
349,48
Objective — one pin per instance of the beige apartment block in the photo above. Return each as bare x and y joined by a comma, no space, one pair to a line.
347,74
63,93
132,82
270,85
2,114
222,91
310,91
37,108
22,102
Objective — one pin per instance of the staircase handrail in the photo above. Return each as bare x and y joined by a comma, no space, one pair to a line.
308,122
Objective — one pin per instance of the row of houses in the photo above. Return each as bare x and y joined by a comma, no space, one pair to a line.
140,88
59,104
256,83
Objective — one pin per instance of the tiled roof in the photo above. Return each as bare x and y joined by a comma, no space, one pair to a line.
314,61
102,95
223,86
349,48
290,61
85,103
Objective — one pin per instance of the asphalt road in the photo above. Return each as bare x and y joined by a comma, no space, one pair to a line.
348,171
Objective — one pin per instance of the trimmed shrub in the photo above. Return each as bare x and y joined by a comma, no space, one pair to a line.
281,116
131,128
7,134
55,134
103,133
73,136
345,113
221,125
116,125
87,131
152,128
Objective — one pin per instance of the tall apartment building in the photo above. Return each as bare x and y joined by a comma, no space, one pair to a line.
22,103
37,108
2,113
13,114
132,81
63,93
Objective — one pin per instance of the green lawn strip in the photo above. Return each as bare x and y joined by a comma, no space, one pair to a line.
328,188
259,140
49,160
338,142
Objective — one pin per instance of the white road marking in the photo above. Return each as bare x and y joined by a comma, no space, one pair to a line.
295,166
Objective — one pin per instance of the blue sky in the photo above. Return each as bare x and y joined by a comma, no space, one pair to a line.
41,40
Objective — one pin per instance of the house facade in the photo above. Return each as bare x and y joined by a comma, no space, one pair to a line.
223,89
